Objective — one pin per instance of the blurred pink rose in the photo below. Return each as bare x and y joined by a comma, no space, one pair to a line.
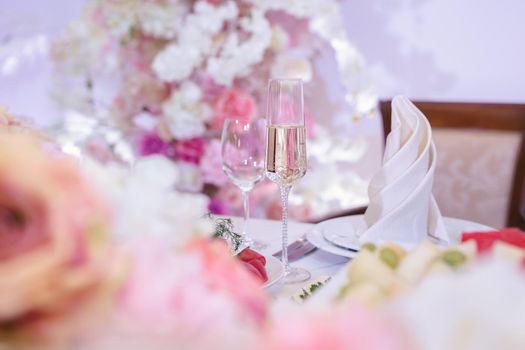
218,207
190,151
198,292
234,104
344,327
52,232
211,165
222,271
232,196
152,144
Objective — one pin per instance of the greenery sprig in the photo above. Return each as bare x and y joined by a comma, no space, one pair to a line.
310,289
224,230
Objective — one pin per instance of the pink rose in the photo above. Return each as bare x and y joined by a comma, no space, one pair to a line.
152,144
234,104
192,294
52,233
344,327
211,165
232,196
190,151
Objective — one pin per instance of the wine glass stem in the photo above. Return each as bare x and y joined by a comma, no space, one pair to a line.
285,190
246,205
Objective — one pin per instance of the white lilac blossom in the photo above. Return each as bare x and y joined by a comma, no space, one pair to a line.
185,113
195,41
176,62
162,21
326,21
236,58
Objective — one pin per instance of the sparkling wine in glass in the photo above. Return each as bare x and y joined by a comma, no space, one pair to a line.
286,153
242,148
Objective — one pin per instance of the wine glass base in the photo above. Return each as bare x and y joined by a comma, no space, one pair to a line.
295,275
258,245
248,242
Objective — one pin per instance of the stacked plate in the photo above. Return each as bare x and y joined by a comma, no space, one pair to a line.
338,236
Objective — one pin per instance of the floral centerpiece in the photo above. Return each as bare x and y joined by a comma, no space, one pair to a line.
179,68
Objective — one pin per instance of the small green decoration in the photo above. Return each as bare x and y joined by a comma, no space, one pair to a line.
306,293
389,257
224,230
454,258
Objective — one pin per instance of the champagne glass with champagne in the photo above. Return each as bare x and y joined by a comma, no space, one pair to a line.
286,153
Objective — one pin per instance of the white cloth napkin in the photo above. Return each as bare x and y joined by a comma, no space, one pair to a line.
402,208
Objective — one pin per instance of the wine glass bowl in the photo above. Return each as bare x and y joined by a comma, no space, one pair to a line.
242,151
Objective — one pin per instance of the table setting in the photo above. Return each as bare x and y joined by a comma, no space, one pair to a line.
174,207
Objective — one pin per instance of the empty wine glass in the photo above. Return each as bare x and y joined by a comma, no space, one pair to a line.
286,153
242,150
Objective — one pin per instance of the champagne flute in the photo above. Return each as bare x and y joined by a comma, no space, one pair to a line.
286,153
242,152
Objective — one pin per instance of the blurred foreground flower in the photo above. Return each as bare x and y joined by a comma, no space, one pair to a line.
199,297
53,235
347,327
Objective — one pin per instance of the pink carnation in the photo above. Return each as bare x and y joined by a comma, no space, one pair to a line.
234,104
211,165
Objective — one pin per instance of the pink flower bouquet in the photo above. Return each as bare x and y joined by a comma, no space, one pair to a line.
53,240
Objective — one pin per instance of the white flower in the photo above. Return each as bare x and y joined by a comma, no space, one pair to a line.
146,121
176,62
161,21
195,41
145,202
236,59
292,65
185,113
483,308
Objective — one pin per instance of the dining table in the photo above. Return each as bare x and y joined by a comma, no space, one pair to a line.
319,263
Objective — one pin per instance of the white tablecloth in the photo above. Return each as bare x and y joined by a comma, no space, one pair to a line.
319,263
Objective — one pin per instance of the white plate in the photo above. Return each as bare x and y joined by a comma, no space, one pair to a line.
274,270
345,225
329,292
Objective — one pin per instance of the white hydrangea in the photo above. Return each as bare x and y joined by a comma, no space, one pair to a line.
185,113
145,202
236,59
161,21
176,62
120,16
195,41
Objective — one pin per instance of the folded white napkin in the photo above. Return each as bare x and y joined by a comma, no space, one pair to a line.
402,207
